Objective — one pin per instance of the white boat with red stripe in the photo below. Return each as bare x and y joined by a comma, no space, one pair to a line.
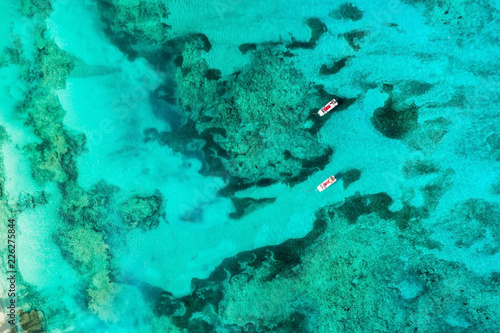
326,183
327,108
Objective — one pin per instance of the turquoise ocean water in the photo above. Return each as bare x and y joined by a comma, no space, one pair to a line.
160,160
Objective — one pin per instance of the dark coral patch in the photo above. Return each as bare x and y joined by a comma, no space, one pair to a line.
418,168
130,28
358,205
318,28
415,88
347,11
205,42
247,114
395,124
142,211
350,176
335,68
213,74
245,206
235,184
244,48
353,38
393,120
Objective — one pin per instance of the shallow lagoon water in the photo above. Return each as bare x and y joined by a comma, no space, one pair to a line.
173,190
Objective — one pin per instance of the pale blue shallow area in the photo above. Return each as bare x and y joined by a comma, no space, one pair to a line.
108,98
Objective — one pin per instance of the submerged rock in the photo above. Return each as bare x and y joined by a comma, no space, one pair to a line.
32,321
142,211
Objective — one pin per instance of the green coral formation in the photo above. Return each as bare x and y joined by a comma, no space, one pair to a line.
89,250
142,211
87,207
135,25
43,112
258,118
342,285
333,281
52,160
85,248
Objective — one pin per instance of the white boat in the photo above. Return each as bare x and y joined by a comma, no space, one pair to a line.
326,183
327,108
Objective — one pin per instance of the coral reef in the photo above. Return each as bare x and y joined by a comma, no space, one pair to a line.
353,38
335,68
463,17
90,208
142,211
342,285
347,11
244,48
52,160
87,251
317,27
44,113
395,120
30,201
473,222
135,26
258,118
332,280
245,206
350,176
202,309
413,168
